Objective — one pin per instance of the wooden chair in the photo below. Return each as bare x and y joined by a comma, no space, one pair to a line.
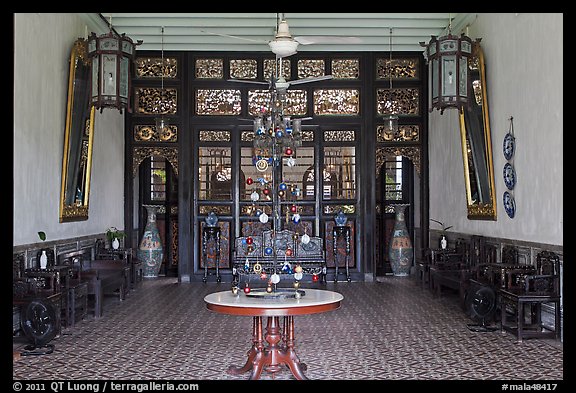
422,268
77,296
522,299
451,268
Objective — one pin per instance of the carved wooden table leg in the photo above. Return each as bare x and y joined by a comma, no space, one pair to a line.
280,350
255,350
291,358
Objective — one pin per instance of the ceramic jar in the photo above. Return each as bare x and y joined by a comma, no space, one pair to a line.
400,250
150,250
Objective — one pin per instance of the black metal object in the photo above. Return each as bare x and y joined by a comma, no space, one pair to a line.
39,323
481,304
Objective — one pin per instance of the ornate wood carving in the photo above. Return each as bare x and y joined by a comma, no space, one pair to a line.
139,154
411,152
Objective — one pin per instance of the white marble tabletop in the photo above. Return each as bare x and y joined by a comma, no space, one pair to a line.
313,301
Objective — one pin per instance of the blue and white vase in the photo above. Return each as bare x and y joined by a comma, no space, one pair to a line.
150,251
211,219
340,219
400,250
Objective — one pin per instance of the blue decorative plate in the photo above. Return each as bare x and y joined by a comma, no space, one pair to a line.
509,204
509,146
509,176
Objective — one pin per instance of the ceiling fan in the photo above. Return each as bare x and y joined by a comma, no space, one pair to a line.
284,45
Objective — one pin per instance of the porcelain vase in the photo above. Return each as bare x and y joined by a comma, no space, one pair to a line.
115,243
400,250
43,260
150,250
443,242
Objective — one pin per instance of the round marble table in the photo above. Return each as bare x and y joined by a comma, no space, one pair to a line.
275,347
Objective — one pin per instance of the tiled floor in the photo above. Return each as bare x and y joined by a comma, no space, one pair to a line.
386,330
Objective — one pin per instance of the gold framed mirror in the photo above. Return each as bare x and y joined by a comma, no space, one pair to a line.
477,144
78,137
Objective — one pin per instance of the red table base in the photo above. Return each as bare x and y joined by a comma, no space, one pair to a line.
278,351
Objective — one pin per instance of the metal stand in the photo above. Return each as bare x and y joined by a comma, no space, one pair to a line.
338,232
214,234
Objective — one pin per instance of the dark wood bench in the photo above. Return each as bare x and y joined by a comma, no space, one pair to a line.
451,268
106,277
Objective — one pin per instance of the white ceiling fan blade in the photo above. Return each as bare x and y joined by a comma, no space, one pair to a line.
248,81
311,79
326,39
234,36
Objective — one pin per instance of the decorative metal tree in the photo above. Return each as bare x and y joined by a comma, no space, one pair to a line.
276,138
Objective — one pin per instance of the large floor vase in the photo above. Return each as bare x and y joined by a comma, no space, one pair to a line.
400,251
150,250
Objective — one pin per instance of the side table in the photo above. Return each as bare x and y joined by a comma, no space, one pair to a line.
211,233
341,231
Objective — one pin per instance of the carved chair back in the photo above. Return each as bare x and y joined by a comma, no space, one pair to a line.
477,250
510,254
547,277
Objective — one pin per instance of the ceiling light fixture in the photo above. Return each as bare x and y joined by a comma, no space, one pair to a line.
391,119
447,58
283,44
111,56
162,122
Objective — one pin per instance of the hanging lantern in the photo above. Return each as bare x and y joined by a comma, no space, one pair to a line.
447,59
111,58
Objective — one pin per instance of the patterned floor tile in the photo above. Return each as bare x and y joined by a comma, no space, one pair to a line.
386,330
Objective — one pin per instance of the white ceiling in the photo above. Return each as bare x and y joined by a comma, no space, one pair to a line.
202,31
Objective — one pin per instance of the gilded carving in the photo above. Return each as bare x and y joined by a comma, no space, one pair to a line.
73,211
152,101
310,67
337,102
215,136
295,102
151,67
139,154
332,209
307,136
81,49
247,136
218,102
209,68
480,211
405,101
148,133
219,210
346,68
398,68
411,152
405,133
243,69
174,244
339,136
